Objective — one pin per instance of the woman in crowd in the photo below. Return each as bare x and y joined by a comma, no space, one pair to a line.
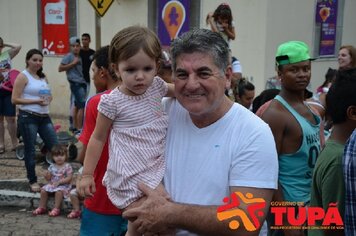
7,109
33,95
347,57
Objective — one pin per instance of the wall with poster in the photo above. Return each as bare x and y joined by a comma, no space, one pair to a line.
173,19
55,31
326,16
260,27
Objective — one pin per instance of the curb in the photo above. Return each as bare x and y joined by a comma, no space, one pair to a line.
13,195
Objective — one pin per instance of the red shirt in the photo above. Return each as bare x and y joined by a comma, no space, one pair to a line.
99,203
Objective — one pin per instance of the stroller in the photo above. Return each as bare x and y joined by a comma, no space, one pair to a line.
64,138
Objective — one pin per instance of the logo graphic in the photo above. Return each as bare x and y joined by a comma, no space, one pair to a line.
173,16
230,211
303,217
324,13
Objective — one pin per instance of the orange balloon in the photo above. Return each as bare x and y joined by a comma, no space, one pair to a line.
173,16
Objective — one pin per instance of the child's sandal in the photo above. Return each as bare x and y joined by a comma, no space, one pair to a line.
74,214
55,212
39,211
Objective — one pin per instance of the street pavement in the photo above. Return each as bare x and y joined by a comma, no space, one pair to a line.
16,221
17,202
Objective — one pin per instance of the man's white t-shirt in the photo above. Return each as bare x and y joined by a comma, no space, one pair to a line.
202,163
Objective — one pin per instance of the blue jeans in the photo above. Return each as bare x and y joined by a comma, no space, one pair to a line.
79,92
29,125
100,224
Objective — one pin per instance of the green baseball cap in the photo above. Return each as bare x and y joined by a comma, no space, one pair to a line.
292,52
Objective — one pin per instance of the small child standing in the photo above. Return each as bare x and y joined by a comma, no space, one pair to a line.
220,21
134,113
59,177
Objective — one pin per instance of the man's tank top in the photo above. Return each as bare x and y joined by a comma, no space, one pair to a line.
296,169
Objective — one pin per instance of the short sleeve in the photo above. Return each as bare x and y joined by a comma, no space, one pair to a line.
91,112
66,59
161,85
256,157
107,106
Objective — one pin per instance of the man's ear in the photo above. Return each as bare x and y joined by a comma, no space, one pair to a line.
228,76
351,113
279,73
103,73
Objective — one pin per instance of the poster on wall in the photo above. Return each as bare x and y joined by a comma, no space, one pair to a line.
55,30
326,15
173,19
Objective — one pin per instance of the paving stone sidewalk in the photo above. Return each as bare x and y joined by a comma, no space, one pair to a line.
17,202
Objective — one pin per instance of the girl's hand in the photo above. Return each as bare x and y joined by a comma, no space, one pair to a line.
209,17
47,175
86,186
56,184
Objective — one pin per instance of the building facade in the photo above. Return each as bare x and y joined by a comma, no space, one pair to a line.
261,25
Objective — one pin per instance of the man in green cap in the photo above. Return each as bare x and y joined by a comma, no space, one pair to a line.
295,128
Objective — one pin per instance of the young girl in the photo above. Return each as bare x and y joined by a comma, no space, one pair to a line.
138,125
221,21
59,177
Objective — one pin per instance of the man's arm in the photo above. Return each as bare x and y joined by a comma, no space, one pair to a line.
158,214
277,125
170,91
65,67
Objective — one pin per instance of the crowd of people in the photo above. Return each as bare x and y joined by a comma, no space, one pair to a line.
161,155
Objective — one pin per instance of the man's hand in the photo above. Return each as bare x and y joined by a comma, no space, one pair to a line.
151,214
75,60
86,186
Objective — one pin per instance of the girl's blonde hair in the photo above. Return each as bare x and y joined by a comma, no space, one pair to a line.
129,41
59,150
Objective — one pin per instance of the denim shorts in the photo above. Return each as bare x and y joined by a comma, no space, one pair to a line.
6,107
100,224
79,92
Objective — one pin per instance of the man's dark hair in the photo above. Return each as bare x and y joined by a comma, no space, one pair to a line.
86,35
341,96
101,57
201,41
